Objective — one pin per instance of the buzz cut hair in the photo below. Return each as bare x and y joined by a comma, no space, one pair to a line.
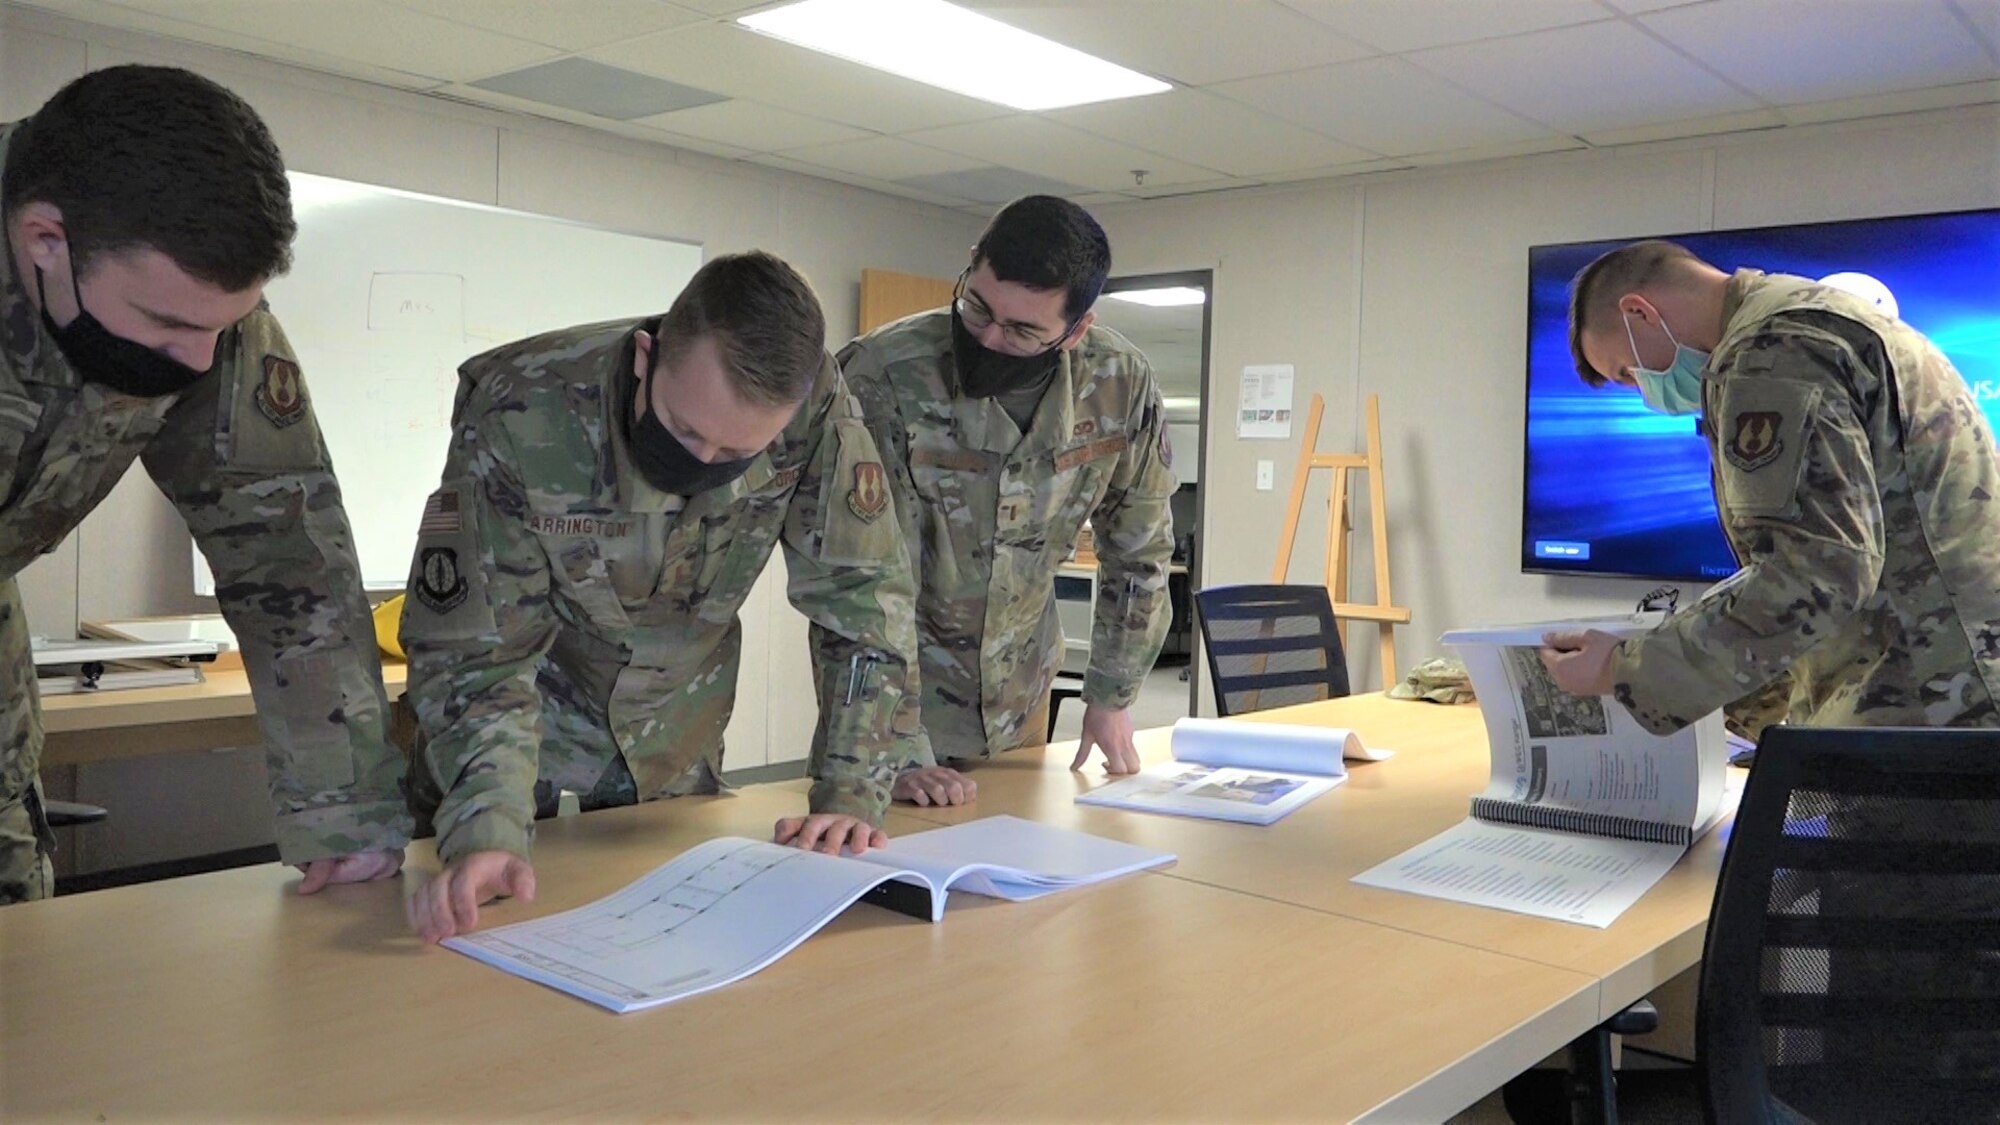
1594,293
763,317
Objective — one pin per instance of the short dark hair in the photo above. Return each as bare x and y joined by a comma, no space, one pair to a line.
764,319
1048,243
1595,291
152,156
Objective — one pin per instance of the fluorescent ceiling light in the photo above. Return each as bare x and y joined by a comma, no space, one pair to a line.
945,45
1168,298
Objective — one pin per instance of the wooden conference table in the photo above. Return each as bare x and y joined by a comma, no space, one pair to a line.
1250,981
1309,858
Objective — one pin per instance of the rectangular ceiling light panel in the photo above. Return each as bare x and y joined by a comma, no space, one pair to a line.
955,49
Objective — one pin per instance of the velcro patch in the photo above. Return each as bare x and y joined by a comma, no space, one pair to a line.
1755,443
1084,454
869,497
441,514
440,586
588,527
281,395
957,460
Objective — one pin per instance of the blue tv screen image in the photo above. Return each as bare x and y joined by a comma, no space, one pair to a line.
1615,489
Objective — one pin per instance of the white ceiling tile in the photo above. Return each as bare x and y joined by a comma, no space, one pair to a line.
743,64
1830,48
631,129
884,158
1747,122
106,14
1058,152
1335,172
724,7
1151,191
1194,42
1396,26
872,183
1211,132
573,25
1496,152
1612,76
364,31
1983,16
1907,101
1384,105
1639,7
992,185
744,124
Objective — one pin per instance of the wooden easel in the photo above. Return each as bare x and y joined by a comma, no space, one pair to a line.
1382,610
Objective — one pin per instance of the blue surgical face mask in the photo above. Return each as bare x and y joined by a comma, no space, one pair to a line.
1677,390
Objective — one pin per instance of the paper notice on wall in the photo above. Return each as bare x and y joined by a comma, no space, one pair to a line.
1265,410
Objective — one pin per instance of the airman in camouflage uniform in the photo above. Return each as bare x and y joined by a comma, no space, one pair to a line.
570,622
1856,480
994,482
237,450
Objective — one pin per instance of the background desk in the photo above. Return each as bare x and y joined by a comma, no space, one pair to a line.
1076,597
1153,997
101,726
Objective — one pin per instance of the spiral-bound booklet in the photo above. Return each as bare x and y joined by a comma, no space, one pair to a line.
1584,809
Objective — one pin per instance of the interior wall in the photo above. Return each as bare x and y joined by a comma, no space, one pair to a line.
1413,286
131,556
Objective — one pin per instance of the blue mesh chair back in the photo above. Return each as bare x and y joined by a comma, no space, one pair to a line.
1270,646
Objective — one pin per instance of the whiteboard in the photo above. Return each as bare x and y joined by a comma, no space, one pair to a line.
390,291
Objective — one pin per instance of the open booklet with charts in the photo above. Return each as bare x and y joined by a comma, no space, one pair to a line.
726,908
1584,809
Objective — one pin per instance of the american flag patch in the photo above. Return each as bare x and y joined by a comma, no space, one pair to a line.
441,514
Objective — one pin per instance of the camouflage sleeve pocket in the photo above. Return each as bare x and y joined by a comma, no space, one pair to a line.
311,751
1762,429
860,528
447,588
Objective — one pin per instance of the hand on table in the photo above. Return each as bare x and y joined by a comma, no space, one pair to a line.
935,785
1108,729
449,904
358,867
829,833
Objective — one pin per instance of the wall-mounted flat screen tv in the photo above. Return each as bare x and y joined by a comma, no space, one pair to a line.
1614,489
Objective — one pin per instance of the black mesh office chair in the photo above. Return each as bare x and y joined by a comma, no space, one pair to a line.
1852,970
1270,646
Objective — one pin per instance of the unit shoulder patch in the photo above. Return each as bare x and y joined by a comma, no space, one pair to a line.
281,394
869,497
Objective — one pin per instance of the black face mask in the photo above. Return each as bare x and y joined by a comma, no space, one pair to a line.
984,373
113,361
666,463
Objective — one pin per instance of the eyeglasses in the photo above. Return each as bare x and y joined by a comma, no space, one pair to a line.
977,317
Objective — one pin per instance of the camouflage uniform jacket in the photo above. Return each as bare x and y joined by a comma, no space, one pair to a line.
1857,482
562,610
240,456
990,513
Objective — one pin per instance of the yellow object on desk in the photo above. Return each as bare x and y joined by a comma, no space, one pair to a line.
388,620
